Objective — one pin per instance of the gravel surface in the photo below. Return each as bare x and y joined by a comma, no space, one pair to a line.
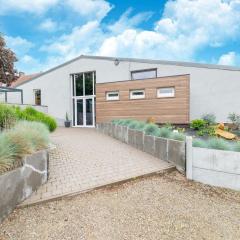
159,207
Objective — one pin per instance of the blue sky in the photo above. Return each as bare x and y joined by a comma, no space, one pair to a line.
45,33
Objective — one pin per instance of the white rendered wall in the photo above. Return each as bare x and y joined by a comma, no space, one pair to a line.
211,90
214,167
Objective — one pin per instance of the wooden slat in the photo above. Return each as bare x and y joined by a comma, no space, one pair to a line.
174,110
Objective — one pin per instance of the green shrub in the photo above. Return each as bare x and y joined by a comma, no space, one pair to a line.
151,129
218,143
31,114
164,132
209,118
177,136
8,116
199,143
206,131
198,124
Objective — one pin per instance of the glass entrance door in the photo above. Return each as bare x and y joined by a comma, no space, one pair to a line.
84,112
83,99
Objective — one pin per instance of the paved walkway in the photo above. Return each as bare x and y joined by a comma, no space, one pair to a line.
85,159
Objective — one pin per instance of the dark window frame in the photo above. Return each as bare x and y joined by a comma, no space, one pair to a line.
35,97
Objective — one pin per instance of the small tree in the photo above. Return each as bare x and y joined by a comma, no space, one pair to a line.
7,60
235,119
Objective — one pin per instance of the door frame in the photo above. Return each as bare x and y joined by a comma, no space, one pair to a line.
84,98
84,125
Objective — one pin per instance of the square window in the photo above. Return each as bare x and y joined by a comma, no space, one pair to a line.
112,96
137,94
166,92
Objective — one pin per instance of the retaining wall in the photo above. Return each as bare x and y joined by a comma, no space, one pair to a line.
214,167
18,184
165,149
210,166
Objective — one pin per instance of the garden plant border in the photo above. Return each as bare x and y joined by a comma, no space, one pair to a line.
210,166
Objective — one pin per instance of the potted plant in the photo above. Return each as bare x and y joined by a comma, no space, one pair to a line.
67,122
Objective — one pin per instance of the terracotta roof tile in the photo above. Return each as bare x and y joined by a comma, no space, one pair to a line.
23,79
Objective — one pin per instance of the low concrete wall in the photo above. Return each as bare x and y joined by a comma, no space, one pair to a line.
17,185
214,167
165,149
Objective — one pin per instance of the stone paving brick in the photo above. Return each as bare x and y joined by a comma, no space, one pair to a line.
84,159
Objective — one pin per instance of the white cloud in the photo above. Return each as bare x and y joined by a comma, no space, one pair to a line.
48,25
91,9
230,58
186,27
35,6
83,39
19,45
126,21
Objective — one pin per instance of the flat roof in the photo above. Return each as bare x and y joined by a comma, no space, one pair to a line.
151,61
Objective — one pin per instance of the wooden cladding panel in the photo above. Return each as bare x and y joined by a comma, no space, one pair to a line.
173,110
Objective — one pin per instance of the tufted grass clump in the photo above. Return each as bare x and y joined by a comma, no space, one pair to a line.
24,138
36,133
218,143
164,132
151,129
199,143
8,116
140,126
177,136
115,121
236,146
125,122
133,124
6,155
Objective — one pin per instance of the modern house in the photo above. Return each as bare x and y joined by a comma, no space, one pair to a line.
97,89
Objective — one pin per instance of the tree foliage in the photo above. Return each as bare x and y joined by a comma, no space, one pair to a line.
7,59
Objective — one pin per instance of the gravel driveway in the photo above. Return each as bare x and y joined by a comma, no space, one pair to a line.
159,207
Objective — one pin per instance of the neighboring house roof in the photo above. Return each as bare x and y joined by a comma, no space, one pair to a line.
24,78
163,62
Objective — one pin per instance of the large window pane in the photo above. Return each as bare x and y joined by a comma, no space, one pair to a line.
79,84
89,83
80,112
89,112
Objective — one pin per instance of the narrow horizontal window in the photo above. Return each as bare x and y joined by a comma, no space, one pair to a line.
137,94
143,74
112,96
166,92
